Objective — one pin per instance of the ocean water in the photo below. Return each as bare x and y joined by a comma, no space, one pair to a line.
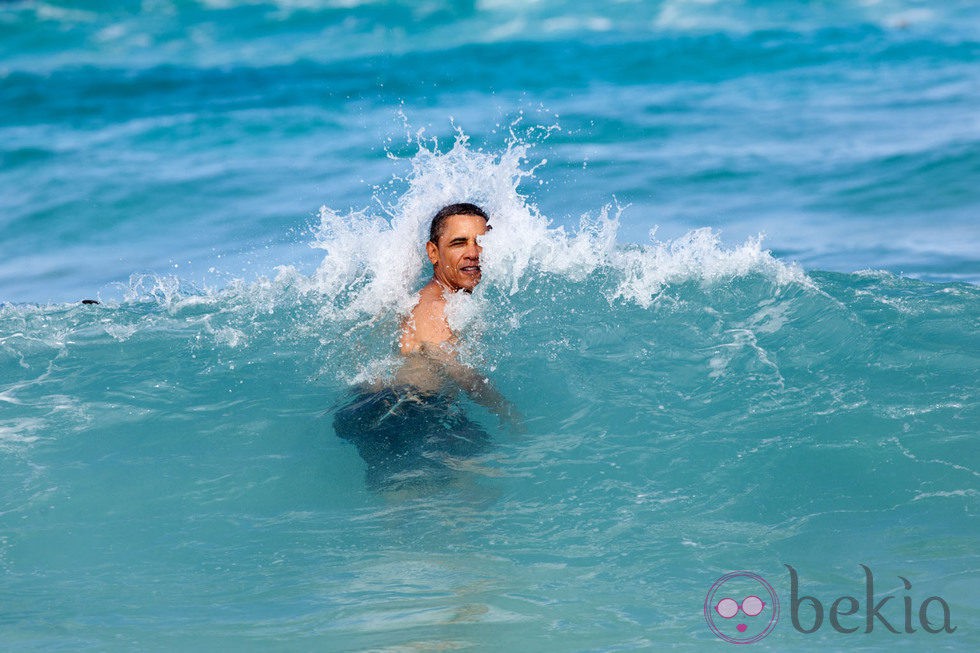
731,288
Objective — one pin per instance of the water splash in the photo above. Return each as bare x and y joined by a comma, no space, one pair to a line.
374,262
350,309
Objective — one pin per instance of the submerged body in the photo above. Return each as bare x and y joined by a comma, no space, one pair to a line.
414,432
411,430
427,371
408,439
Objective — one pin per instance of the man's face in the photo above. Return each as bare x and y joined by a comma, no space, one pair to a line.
456,258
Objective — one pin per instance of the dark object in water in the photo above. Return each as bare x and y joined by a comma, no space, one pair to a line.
91,301
407,439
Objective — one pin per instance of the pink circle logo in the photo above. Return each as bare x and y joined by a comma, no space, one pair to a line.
741,607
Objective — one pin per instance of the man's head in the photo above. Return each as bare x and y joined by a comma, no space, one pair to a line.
452,246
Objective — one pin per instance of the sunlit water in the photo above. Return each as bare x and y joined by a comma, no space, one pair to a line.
695,402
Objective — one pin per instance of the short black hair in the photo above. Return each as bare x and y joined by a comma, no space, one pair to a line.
463,208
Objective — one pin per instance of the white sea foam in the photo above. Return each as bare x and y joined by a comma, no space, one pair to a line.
52,12
16,433
352,305
374,260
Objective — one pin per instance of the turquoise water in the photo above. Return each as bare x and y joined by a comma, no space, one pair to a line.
696,401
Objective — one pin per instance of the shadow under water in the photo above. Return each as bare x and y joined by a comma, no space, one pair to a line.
409,440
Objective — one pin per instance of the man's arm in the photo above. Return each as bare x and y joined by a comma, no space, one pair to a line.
477,386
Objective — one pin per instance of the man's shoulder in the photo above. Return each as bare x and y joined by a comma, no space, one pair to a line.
430,309
431,293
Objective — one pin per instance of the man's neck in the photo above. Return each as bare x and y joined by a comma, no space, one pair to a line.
445,288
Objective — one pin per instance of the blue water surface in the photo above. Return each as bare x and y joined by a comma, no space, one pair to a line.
695,400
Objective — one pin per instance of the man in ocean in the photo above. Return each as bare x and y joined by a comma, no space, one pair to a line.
427,343
413,431
454,253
